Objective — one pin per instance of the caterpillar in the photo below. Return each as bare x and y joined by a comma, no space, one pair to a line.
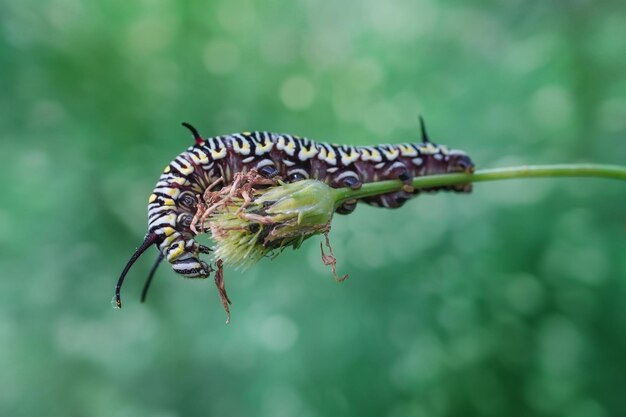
172,204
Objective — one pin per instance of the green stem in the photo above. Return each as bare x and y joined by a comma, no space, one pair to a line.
526,171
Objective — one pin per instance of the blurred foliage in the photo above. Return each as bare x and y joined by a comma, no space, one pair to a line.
506,302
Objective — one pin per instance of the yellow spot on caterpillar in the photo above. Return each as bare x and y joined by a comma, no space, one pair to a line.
243,149
169,239
218,155
288,145
167,231
186,171
264,147
174,253
246,133
180,180
428,149
407,150
168,202
347,159
167,169
331,158
152,198
204,159
198,160
370,154
304,154
392,153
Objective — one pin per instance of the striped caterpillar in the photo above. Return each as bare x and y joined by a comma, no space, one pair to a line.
172,204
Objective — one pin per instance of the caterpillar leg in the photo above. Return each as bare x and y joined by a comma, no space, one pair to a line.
204,249
347,179
347,207
407,192
398,171
268,171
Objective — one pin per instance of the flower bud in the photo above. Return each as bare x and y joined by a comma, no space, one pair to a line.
276,218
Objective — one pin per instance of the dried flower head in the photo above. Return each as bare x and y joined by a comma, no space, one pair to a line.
249,225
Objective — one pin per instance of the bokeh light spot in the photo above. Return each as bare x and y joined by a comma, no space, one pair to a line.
221,56
278,333
552,106
297,93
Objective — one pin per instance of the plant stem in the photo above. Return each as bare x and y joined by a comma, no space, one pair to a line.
526,171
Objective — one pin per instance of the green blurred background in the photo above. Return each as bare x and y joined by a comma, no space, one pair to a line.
506,302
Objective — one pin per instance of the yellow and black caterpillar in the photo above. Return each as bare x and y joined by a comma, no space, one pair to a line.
172,204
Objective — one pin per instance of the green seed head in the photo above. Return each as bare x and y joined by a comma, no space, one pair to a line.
278,217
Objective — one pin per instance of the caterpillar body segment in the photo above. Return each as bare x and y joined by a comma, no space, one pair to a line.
172,205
